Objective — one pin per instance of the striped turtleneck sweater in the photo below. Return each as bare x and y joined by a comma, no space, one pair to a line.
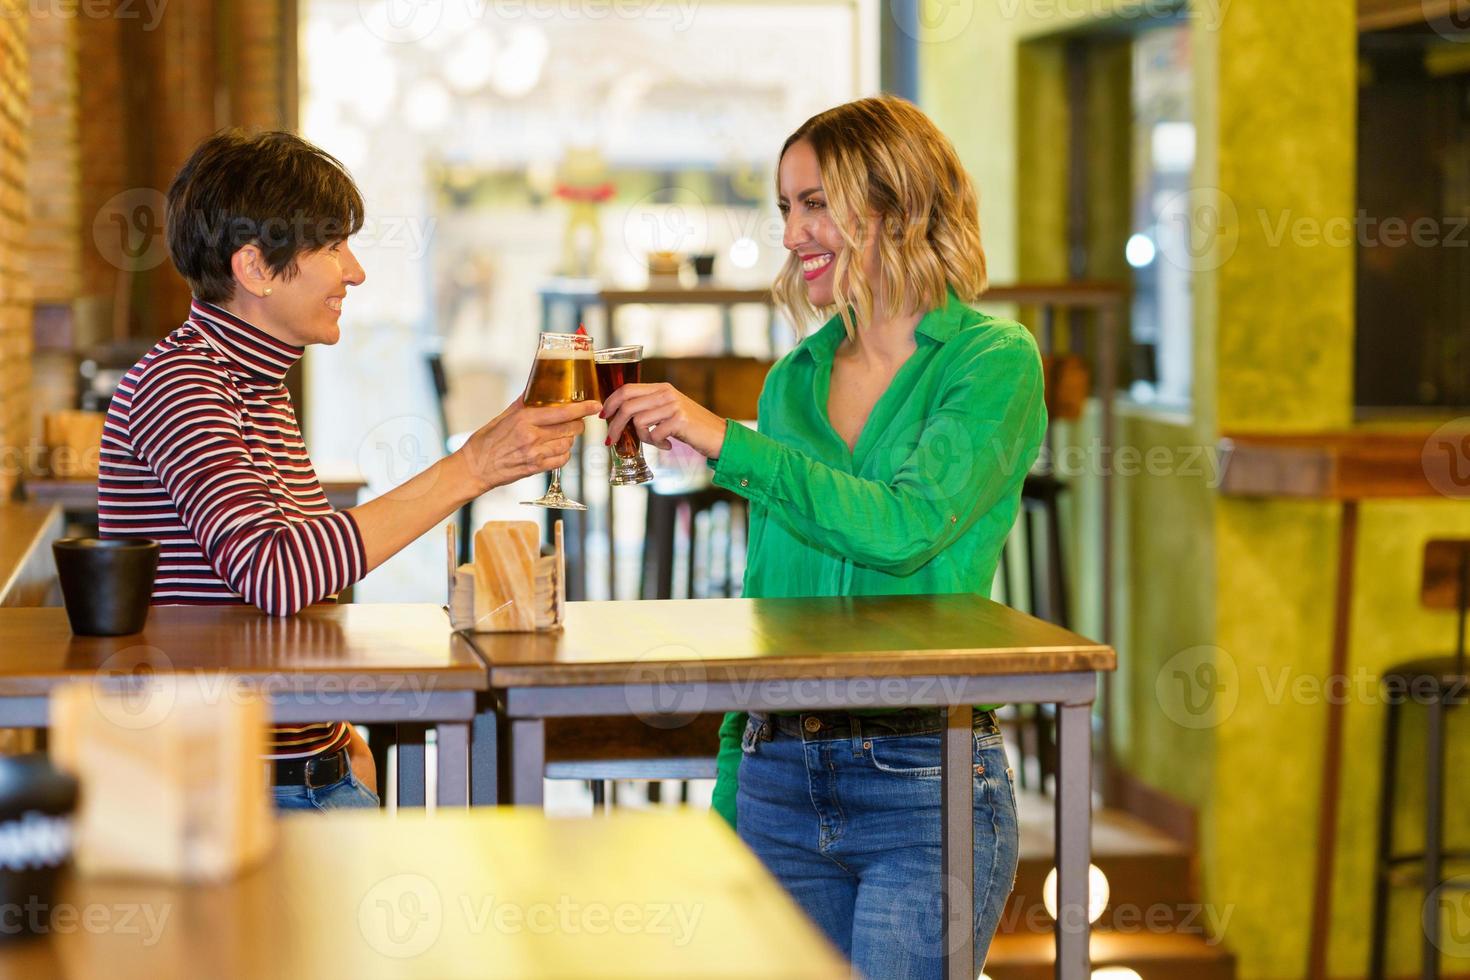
202,452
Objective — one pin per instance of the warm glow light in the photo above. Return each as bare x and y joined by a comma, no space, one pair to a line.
1140,251
426,105
519,62
744,253
1097,894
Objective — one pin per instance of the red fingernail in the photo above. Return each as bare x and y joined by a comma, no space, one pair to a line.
607,441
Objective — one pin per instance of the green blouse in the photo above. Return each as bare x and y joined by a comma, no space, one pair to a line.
921,505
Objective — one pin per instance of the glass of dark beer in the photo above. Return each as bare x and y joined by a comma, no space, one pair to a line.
562,374
618,366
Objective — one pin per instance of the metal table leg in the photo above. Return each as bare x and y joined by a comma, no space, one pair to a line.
452,745
527,761
484,758
957,836
412,784
1074,838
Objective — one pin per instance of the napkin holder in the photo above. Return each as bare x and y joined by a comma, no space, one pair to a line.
173,787
514,585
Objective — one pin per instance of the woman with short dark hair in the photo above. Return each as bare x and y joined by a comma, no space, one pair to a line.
202,450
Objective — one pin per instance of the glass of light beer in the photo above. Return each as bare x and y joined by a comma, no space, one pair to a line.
562,374
618,366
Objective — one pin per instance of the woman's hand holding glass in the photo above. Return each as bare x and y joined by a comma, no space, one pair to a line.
521,442
660,413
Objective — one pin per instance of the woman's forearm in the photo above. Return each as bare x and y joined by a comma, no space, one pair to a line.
389,523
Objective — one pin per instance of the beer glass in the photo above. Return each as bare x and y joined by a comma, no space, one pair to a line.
562,374
618,366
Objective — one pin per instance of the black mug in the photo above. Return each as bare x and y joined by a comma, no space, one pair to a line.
106,583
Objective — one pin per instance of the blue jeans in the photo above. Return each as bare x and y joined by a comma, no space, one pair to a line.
345,793
850,827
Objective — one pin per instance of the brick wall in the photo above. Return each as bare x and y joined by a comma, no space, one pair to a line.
55,231
15,290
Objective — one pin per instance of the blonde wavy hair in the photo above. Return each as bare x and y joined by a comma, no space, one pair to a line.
883,158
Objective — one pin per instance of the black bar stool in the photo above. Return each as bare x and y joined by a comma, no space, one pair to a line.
1046,578
1436,684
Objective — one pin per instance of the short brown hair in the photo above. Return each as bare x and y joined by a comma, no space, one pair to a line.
883,155
270,189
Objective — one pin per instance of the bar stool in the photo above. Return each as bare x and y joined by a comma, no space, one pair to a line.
1436,683
1046,578
672,509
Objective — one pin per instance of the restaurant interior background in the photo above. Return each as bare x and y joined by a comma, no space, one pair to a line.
1244,221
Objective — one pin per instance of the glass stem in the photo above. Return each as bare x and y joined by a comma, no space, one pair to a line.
555,489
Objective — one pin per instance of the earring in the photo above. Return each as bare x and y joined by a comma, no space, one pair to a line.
267,292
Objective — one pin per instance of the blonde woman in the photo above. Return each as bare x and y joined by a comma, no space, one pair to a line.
891,449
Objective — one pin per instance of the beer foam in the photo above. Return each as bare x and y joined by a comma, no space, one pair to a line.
620,359
563,355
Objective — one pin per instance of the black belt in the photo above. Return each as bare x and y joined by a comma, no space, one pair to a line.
821,725
314,771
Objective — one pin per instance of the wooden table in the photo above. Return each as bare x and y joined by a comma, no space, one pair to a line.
79,497
483,894
27,572
365,663
661,659
1347,467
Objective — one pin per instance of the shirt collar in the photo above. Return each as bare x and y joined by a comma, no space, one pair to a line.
244,343
939,324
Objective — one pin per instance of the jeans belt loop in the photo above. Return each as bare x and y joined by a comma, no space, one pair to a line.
857,736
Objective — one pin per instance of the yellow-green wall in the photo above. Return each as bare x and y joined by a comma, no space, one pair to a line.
1240,588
